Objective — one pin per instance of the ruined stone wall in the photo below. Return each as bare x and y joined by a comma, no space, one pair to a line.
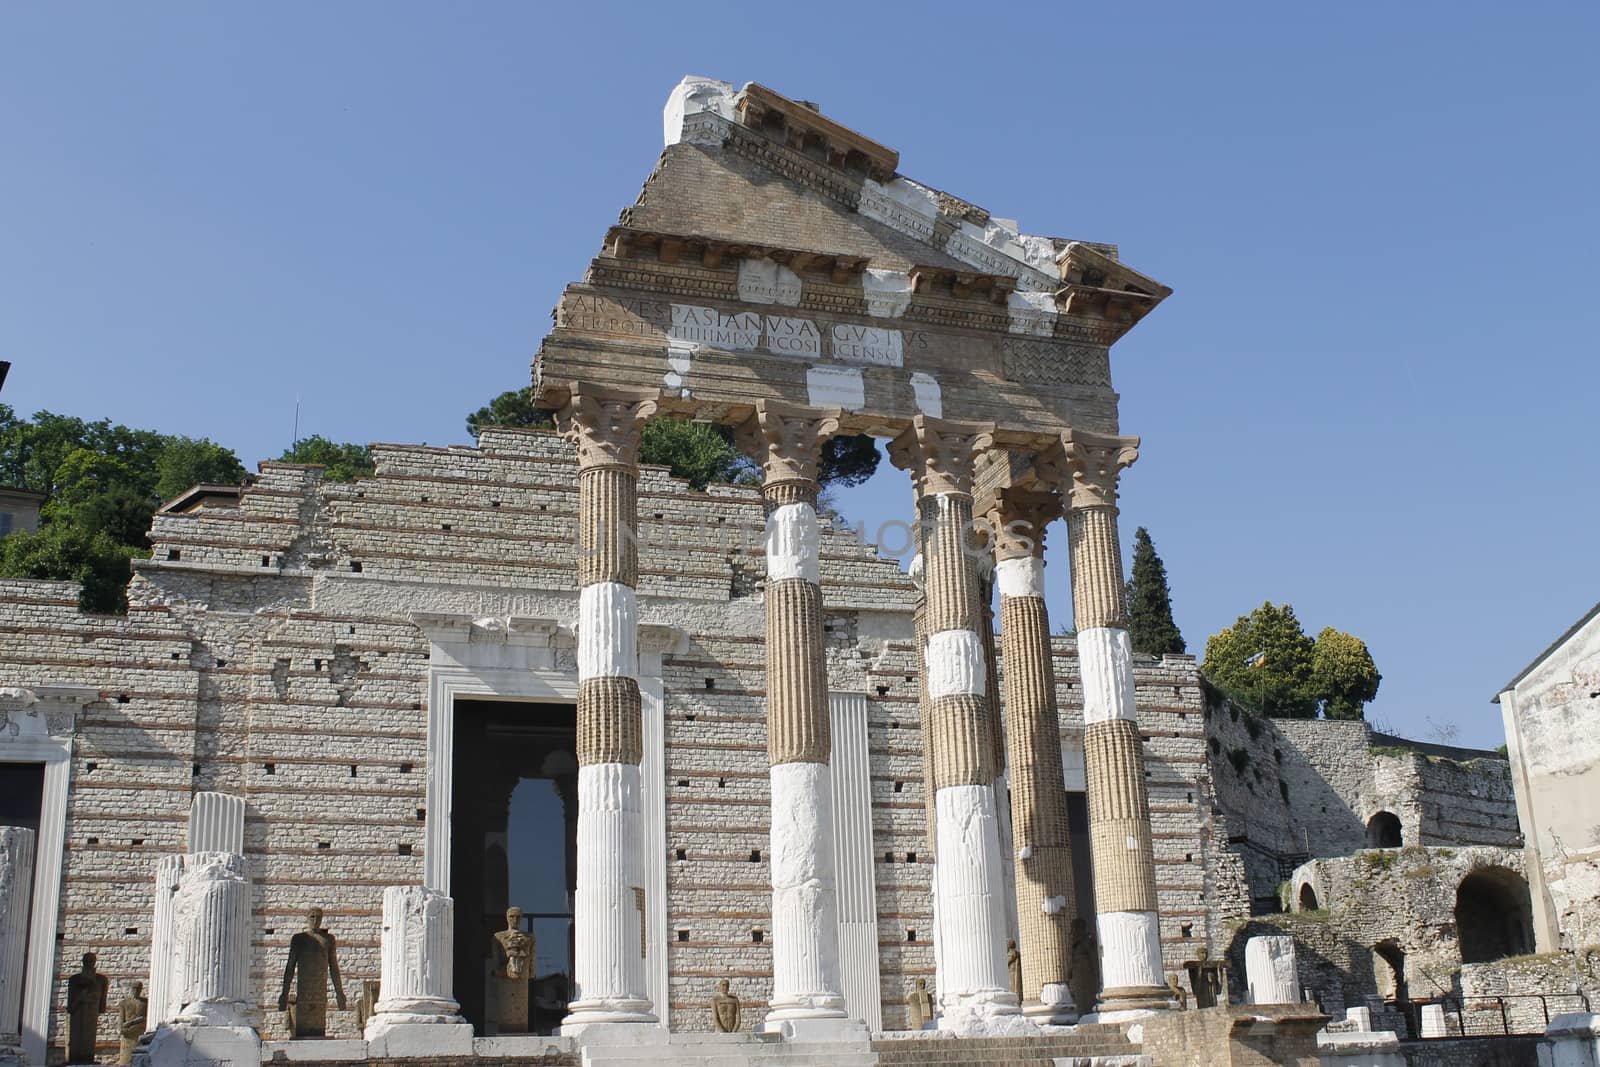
270,652
1293,789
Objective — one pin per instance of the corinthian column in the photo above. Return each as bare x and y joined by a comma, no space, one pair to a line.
805,921
1043,847
1119,807
968,881
609,908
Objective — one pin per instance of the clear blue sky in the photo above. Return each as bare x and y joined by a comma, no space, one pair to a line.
1373,394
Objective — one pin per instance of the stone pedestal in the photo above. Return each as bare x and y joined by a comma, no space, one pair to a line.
1269,964
1571,1041
416,1013
1433,1024
16,891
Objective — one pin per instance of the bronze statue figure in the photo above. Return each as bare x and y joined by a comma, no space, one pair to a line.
86,999
1014,967
313,959
514,964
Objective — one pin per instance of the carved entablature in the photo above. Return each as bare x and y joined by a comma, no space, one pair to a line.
801,127
1099,287
962,284
787,439
43,712
839,285
624,242
1088,465
939,454
605,424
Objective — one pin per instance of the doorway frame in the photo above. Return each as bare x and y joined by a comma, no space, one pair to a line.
533,660
46,717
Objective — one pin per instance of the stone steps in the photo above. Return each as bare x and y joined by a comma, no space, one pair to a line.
1095,1045
732,1050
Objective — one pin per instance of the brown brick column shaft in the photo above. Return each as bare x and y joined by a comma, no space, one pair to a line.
605,424
805,916
1088,465
968,877
1042,846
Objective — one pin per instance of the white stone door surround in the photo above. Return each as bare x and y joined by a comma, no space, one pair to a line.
37,726
518,658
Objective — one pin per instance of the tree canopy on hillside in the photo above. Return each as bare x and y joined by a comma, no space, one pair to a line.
1266,662
102,483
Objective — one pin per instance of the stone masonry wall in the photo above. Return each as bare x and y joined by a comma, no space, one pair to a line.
269,652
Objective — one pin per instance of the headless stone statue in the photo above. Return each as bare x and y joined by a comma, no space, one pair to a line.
1177,991
135,1009
725,1009
1083,968
514,968
1014,967
313,959
86,999
919,1005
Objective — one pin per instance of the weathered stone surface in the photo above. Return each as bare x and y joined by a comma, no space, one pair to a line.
1270,970
16,890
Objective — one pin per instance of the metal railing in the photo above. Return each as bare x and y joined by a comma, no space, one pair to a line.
1496,1016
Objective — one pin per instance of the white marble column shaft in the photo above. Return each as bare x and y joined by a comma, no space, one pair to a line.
165,960
211,923
418,943
16,893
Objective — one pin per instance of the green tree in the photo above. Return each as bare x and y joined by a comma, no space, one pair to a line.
848,461
344,462
186,462
1264,661
514,407
1343,674
698,452
65,551
1150,624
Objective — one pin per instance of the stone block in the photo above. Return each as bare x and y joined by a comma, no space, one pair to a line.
1571,1040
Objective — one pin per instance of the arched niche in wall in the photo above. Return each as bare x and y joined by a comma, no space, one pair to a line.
1383,830
1308,897
1494,915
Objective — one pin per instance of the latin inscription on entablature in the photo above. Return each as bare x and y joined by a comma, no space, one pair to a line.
740,331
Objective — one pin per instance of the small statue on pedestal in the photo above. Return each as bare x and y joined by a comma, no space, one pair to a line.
1083,968
919,1005
1014,967
135,1009
313,959
514,952
86,999
725,1009
1177,991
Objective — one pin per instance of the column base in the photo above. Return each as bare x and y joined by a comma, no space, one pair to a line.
1054,1006
584,1016
1131,1002
985,1013
184,1044
399,1036
616,1031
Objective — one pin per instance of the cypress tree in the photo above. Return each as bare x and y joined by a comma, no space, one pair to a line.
1150,625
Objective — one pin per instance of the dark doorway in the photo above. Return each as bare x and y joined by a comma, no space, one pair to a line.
1391,972
1494,915
21,794
514,827
1308,898
1383,830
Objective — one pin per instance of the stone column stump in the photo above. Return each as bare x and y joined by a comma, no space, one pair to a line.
416,1013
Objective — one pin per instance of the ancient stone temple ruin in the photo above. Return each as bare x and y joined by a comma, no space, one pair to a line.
528,750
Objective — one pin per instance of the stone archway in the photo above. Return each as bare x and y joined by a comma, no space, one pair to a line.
1392,976
1308,898
1383,830
1494,915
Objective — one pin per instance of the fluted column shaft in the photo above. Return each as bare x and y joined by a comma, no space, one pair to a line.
417,947
16,893
806,984
1119,806
211,926
166,966
609,908
968,879
1040,837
